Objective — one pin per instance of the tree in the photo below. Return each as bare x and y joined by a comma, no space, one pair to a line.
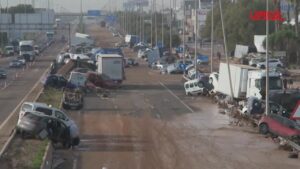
239,28
284,40
21,8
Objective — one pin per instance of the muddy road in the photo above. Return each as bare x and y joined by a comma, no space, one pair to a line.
149,123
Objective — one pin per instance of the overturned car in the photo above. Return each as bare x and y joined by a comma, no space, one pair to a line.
38,125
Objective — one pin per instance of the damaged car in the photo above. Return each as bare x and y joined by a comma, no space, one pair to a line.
72,99
41,126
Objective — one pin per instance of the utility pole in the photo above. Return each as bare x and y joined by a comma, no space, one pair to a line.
196,35
212,37
81,17
155,18
1,40
140,21
151,22
183,31
171,18
69,36
267,61
162,23
225,47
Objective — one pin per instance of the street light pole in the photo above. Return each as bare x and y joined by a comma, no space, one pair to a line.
171,18
212,37
151,22
155,18
162,23
196,35
225,48
183,31
267,60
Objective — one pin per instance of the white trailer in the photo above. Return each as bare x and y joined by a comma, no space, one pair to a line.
111,65
246,81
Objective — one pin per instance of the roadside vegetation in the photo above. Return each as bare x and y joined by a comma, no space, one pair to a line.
241,30
30,156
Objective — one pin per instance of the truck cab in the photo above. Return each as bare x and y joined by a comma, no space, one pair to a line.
27,50
257,83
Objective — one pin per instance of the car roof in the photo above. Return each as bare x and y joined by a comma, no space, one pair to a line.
37,104
40,114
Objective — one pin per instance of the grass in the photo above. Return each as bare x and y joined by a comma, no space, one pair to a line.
38,158
52,97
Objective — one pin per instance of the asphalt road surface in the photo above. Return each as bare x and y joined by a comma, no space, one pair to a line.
149,123
19,83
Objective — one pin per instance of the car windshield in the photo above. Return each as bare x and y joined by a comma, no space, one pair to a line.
274,82
26,48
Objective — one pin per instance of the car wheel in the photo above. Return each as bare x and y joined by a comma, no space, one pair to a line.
205,92
279,65
66,144
263,128
253,65
76,141
189,94
65,106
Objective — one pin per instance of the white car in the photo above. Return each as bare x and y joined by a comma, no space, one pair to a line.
194,87
273,63
40,125
45,109
79,56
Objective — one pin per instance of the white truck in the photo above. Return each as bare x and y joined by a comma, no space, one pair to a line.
111,65
246,81
80,39
27,50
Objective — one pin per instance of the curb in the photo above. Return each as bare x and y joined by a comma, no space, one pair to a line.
47,158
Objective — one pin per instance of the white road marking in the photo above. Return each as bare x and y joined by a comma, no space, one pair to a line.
75,163
25,97
173,94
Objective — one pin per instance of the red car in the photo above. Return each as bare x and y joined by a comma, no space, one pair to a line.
103,81
279,125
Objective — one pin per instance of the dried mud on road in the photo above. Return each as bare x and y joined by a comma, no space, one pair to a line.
148,124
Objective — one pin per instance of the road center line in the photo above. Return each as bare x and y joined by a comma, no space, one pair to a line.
173,94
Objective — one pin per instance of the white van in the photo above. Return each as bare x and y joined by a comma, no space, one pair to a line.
194,87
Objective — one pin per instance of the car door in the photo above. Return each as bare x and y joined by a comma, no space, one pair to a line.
277,125
60,115
289,128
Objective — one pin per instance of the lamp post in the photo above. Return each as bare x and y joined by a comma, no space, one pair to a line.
267,60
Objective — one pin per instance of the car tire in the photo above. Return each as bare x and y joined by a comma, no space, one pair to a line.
263,128
205,92
66,144
76,141
65,106
279,65
189,94
254,65
262,67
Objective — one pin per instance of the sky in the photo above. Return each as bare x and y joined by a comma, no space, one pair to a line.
74,5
